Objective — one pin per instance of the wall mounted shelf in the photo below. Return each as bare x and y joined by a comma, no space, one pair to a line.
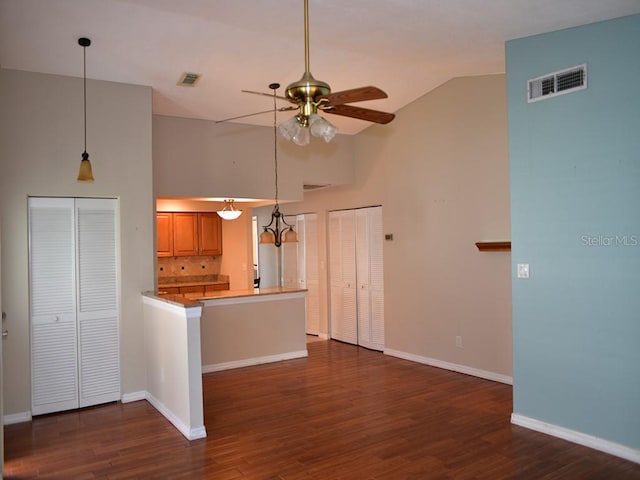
504,246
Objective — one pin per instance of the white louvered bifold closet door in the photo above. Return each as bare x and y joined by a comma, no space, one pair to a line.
74,303
344,324
311,274
369,261
98,346
54,361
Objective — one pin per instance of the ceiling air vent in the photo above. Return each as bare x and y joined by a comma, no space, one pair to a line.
189,79
557,83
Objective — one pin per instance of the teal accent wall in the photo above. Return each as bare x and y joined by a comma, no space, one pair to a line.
575,218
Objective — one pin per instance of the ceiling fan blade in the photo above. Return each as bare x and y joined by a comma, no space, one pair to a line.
281,109
367,114
265,94
355,95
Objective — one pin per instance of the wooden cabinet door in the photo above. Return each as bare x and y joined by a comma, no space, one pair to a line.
185,234
199,289
168,290
210,233
216,287
164,226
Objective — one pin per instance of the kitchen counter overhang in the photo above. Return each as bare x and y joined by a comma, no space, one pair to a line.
242,296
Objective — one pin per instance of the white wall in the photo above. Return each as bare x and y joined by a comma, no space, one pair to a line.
441,172
41,141
174,364
247,331
199,158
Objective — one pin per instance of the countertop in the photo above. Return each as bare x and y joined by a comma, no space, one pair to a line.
252,292
194,299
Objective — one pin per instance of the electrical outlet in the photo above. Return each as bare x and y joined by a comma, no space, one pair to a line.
459,341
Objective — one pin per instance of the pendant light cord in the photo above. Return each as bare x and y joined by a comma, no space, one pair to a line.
275,142
84,50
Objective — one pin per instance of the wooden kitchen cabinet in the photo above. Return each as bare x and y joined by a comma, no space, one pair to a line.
169,290
185,234
209,233
182,234
164,224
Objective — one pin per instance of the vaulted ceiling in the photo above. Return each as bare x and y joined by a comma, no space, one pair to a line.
405,47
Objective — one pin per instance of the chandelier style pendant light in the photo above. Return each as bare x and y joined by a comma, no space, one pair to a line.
85,174
229,212
278,231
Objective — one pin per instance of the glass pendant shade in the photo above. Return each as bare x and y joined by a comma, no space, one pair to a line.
86,173
320,127
298,130
302,136
267,237
289,128
229,212
290,236
293,131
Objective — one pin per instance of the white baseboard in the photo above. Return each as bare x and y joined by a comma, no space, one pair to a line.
189,433
217,367
475,372
133,396
323,336
16,418
580,438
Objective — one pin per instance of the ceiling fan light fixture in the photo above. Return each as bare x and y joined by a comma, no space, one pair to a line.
229,212
321,127
289,128
310,95
302,136
295,130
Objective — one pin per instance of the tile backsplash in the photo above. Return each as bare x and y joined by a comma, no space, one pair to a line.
188,266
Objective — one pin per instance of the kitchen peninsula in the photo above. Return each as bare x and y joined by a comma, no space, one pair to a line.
188,335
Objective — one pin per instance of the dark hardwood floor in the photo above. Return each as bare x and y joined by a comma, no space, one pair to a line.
343,413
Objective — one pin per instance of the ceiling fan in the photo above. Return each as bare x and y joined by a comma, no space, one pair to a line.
310,96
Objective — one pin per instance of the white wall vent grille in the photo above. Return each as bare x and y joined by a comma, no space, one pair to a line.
557,83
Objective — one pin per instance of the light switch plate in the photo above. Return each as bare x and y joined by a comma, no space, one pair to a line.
523,270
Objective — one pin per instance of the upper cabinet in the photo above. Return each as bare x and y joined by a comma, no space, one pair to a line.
187,233
164,222
209,233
